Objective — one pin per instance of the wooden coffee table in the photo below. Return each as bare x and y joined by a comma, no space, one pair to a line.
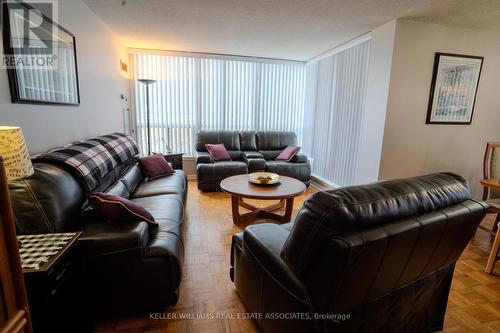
239,187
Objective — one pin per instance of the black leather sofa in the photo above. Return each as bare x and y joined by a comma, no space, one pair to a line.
374,258
125,265
250,152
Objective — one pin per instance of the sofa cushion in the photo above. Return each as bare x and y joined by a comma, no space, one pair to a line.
155,166
218,152
168,211
203,157
132,178
300,158
50,200
270,155
212,174
288,153
255,164
275,140
230,139
248,140
251,154
119,189
115,208
300,171
174,183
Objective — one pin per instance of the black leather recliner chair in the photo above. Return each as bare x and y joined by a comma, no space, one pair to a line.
374,258
250,152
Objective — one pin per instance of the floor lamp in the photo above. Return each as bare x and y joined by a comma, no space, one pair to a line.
147,83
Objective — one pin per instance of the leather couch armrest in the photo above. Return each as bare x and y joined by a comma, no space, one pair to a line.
254,164
299,158
103,237
203,157
251,154
264,242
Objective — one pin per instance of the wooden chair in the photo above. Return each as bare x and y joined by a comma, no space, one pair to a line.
491,170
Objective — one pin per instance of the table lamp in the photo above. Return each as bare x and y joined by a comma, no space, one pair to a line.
14,152
15,163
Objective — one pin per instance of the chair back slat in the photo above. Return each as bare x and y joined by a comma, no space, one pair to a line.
491,168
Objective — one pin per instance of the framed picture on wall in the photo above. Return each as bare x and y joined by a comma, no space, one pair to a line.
454,87
39,55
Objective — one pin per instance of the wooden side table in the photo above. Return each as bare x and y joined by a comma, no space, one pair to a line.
175,159
55,294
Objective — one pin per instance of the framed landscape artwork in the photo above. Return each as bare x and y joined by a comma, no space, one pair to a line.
453,90
40,56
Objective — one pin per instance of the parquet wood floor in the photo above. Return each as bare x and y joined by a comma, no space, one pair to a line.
474,302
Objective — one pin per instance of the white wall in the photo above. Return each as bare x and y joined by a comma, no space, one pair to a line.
101,83
377,91
410,147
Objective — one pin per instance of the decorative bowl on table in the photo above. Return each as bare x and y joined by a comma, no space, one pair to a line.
263,178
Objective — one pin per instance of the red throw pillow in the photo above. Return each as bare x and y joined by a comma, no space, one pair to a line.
155,166
218,152
115,208
288,153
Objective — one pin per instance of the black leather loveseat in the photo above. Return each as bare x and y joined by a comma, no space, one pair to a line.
250,152
374,258
126,266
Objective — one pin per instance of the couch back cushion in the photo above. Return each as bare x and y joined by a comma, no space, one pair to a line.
128,182
248,141
357,208
230,139
355,245
275,140
50,200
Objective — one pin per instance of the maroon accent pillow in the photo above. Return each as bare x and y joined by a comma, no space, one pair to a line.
218,152
288,153
115,208
155,166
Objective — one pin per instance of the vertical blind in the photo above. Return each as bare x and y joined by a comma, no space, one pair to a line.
196,93
338,110
57,84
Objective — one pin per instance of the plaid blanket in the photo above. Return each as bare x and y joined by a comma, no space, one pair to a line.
94,158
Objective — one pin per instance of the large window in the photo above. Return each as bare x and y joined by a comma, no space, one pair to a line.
195,93
336,105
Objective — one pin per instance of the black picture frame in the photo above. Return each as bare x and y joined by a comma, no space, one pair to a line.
12,71
431,105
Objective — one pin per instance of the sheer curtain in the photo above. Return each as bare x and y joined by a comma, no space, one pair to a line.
336,106
208,93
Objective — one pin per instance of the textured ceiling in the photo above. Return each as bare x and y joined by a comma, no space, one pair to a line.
288,29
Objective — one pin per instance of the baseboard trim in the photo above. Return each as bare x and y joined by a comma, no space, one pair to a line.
322,184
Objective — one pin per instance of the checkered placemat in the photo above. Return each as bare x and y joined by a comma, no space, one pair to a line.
37,249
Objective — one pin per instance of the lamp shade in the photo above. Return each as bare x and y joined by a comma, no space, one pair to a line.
15,153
